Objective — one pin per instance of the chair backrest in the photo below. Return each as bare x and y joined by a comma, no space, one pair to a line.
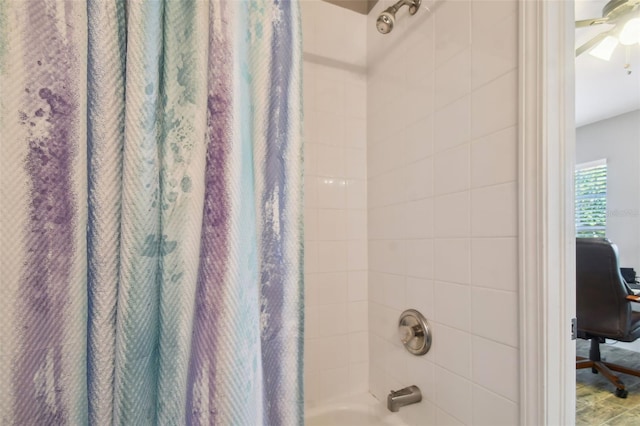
601,292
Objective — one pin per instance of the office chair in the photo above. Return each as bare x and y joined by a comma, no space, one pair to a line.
603,306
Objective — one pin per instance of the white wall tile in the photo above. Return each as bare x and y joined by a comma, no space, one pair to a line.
335,200
358,316
383,322
324,351
453,79
377,286
380,189
355,133
307,10
310,224
357,286
387,289
452,124
490,12
421,372
419,258
336,40
357,255
453,350
452,260
358,378
311,321
329,95
334,382
437,139
492,106
332,256
358,347
445,419
422,413
494,263
356,163
494,211
490,409
417,181
388,222
453,29
453,305
331,287
329,128
311,386
494,315
333,319
495,367
387,256
376,382
356,224
414,107
452,215
420,295
493,158
451,390
356,193
332,224
331,161
451,170
355,91
311,257
331,193
310,155
493,51
418,140
310,191
416,218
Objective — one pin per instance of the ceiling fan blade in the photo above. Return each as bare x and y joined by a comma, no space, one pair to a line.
589,22
597,39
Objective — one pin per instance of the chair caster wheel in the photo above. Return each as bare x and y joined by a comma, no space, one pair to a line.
622,393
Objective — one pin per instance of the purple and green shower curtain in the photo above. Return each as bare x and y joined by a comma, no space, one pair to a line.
150,212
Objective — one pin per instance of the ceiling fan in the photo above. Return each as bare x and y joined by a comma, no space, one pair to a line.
624,15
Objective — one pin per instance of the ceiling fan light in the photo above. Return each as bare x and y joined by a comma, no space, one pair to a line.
630,33
605,48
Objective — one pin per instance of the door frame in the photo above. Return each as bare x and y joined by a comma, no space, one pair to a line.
546,160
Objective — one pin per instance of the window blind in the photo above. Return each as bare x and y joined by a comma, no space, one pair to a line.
591,199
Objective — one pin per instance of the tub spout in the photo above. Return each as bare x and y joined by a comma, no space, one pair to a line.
402,397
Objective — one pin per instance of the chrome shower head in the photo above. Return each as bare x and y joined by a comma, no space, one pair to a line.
385,21
387,18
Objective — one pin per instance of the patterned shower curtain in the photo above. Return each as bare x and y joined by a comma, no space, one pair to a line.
150,212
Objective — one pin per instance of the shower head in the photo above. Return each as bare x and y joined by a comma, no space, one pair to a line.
385,21
387,18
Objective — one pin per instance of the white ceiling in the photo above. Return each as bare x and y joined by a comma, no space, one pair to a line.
603,89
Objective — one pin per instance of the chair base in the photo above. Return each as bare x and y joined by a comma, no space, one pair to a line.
605,368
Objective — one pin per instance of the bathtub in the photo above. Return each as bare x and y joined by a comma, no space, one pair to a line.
357,410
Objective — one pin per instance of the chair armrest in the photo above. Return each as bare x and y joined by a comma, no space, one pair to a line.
633,298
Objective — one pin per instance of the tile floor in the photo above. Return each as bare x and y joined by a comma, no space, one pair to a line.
596,403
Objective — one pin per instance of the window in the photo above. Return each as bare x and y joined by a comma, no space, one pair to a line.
591,199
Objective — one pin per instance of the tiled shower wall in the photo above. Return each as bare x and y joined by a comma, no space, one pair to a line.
442,197
336,339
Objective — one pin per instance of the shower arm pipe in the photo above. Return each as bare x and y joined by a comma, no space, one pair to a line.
413,6
386,20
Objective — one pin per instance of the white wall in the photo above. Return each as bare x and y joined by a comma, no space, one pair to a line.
618,140
442,197
336,340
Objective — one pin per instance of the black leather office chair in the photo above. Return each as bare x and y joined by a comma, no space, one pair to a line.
603,306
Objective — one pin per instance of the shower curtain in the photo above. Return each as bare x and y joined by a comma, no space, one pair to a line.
150,212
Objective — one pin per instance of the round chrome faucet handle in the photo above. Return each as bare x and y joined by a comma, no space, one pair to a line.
409,332
414,332
406,334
